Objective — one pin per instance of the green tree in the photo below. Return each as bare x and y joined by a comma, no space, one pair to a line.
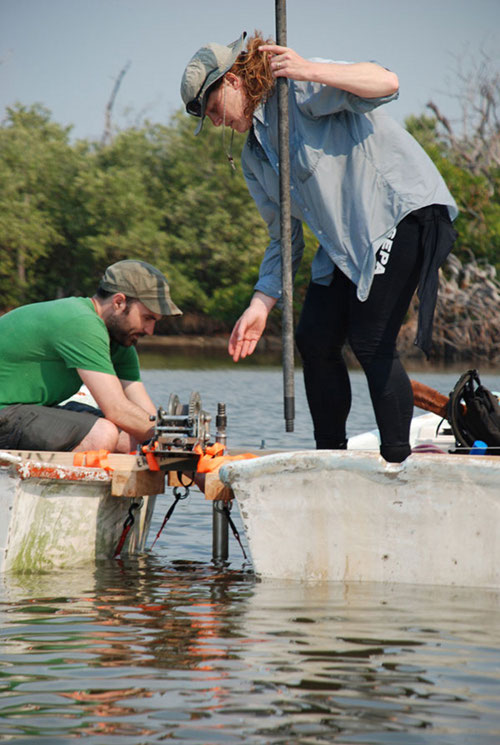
215,235
158,193
36,165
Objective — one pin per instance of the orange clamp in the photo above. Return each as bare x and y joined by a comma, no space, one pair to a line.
93,459
212,459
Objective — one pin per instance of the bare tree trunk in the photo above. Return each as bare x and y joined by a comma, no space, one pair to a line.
107,134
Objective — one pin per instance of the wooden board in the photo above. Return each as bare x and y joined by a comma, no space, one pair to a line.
176,461
209,483
129,476
137,483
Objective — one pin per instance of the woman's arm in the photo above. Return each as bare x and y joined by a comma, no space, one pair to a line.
364,79
250,326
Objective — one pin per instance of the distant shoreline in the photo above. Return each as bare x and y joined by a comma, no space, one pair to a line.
216,342
271,346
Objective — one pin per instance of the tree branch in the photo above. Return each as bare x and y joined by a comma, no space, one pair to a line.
106,135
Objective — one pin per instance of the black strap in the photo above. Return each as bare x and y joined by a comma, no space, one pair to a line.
462,436
227,513
129,521
178,496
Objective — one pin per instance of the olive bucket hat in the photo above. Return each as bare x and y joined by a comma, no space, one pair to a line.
140,280
207,66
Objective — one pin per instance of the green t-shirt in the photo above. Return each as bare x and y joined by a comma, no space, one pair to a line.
42,345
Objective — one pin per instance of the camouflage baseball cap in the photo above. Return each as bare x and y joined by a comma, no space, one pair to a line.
142,281
209,64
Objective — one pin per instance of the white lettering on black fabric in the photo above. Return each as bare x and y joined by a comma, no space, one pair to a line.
384,253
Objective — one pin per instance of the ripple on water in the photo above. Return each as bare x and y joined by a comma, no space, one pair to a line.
171,647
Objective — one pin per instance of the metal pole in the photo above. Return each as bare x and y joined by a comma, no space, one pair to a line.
220,523
221,424
286,229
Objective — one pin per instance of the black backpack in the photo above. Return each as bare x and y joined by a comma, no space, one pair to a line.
480,420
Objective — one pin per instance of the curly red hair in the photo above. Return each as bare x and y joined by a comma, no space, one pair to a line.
252,67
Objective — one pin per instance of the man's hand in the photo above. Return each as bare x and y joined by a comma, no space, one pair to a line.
250,326
137,394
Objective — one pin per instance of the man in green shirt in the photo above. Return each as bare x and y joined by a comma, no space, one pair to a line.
48,350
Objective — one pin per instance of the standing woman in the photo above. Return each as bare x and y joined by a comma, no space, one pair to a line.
374,200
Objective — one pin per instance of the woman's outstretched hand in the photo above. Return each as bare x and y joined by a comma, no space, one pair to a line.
250,326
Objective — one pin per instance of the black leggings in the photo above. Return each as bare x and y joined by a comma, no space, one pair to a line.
333,315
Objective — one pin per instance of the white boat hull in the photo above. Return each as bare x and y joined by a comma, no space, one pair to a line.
54,523
350,516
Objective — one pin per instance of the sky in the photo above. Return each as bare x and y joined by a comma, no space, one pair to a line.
67,54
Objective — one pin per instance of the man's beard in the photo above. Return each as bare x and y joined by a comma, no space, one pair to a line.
119,333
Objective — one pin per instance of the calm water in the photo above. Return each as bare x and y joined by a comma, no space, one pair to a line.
169,647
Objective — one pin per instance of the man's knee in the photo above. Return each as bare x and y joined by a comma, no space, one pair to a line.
102,436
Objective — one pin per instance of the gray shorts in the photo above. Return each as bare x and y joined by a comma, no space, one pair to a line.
34,427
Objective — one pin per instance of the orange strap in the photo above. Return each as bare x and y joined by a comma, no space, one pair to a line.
148,451
212,459
93,459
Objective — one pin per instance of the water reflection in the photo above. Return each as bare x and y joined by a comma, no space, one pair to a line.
363,661
106,645
193,652
168,647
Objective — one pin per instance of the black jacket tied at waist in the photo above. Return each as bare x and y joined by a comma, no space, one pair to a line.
437,238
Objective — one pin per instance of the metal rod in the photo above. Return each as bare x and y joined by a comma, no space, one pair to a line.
220,532
286,229
221,424
220,523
